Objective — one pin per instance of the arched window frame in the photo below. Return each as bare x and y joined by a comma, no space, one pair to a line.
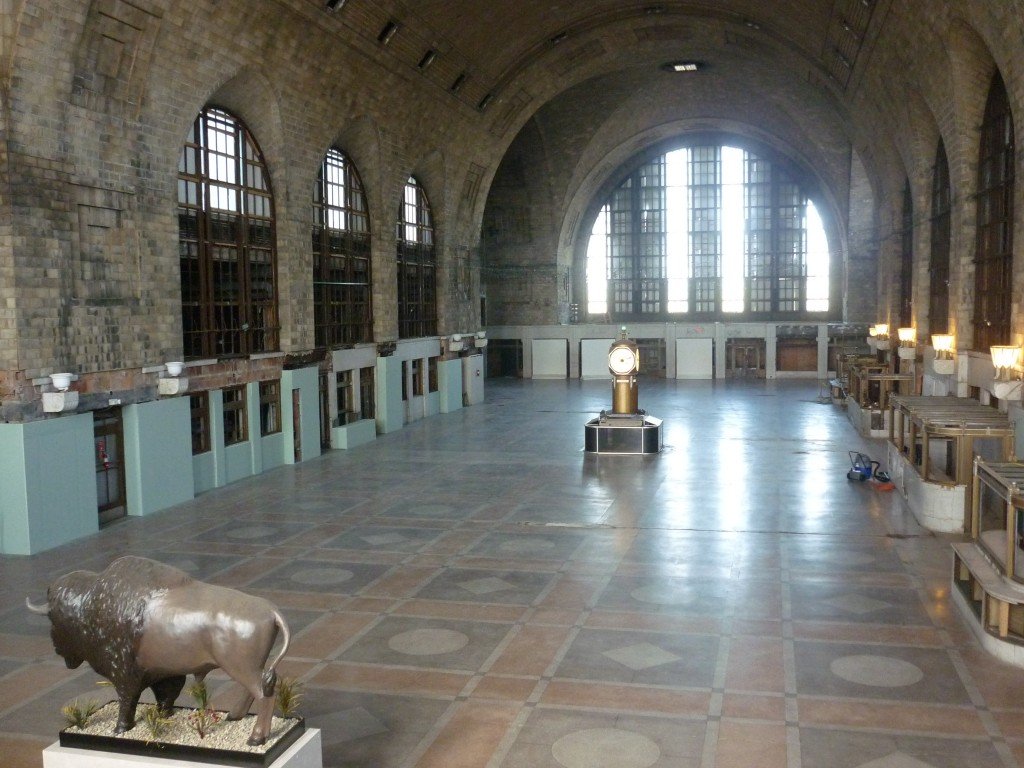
777,270
993,257
227,241
417,264
938,262
342,288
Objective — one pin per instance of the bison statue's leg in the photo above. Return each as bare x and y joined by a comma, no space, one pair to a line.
264,708
250,677
128,700
166,692
240,704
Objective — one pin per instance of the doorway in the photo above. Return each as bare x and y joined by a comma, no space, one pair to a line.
108,452
297,425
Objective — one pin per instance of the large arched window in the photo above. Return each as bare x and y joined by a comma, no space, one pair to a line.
907,258
417,303
226,241
342,312
993,257
703,231
938,265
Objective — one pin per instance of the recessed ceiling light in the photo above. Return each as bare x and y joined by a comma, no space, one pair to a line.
428,59
751,24
683,66
387,32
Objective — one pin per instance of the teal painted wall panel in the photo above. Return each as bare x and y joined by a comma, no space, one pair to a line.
390,408
204,472
54,485
14,528
237,462
307,381
449,384
217,448
158,455
432,403
252,413
355,434
272,447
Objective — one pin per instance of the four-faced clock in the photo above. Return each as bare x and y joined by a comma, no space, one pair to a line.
622,360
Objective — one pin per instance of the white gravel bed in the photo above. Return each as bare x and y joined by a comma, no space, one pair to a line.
224,735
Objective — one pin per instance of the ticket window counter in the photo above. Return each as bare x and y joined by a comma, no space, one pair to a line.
997,514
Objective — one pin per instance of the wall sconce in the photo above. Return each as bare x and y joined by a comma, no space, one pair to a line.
1007,384
882,336
61,381
873,338
174,383
943,344
481,339
908,343
1005,360
61,400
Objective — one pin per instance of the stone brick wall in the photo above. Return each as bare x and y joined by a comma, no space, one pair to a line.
100,100
96,99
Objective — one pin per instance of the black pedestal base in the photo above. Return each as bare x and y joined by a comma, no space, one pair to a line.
632,434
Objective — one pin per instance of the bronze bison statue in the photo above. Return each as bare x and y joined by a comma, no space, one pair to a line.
142,624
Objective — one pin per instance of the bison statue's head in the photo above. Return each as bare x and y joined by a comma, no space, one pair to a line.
67,600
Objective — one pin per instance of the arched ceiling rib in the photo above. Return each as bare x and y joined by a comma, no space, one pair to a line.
507,60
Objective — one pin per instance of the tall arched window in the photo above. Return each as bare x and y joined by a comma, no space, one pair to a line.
993,258
226,241
907,258
938,264
704,231
342,310
417,302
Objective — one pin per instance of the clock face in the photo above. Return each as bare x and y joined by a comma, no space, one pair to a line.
622,360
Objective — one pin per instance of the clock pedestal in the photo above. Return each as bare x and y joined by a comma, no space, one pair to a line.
612,433
627,429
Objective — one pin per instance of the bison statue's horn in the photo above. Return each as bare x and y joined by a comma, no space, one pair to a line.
41,610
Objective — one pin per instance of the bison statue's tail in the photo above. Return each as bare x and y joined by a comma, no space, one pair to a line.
269,679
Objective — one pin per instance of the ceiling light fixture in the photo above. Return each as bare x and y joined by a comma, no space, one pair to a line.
387,32
428,59
650,10
457,83
686,65
335,5
556,39
482,104
751,24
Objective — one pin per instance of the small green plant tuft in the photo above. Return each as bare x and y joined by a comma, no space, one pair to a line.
200,693
289,692
77,715
155,722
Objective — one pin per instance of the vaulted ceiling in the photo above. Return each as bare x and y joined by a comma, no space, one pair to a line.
802,70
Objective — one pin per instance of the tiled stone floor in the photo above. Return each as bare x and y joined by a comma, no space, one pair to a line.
473,590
